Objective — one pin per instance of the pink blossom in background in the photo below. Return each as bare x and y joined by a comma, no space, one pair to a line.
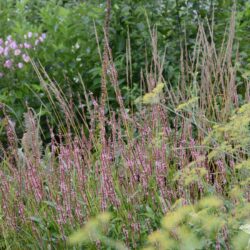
8,64
10,49
26,58
20,65
17,52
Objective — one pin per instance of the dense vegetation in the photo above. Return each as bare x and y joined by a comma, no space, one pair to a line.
124,124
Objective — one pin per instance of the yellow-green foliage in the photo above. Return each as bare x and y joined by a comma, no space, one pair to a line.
199,226
233,139
189,175
95,230
232,136
187,104
92,231
152,97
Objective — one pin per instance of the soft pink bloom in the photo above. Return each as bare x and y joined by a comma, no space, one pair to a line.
1,74
29,34
8,64
1,50
6,51
26,58
37,42
20,65
17,52
13,45
9,38
1,41
21,46
42,37
27,45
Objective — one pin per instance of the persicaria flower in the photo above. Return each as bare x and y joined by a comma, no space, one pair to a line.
8,64
26,58
29,34
1,74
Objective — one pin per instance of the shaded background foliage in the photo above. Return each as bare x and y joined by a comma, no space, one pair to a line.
71,46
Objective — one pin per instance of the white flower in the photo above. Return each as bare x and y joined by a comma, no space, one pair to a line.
20,65
17,52
26,58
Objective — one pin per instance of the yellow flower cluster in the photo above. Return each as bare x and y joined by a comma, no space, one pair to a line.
152,97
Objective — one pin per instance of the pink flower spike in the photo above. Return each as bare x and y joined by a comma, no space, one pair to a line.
1,41
37,42
1,50
30,34
1,75
8,64
26,58
20,65
9,38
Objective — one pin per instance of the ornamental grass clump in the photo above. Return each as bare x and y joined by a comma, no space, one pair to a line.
172,171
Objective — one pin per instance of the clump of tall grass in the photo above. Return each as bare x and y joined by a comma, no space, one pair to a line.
138,164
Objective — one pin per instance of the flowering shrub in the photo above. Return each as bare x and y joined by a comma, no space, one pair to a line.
14,55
